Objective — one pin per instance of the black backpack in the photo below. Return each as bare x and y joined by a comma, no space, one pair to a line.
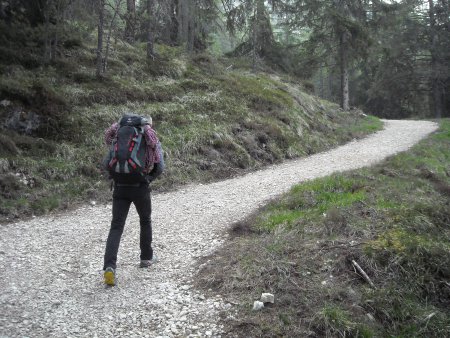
126,159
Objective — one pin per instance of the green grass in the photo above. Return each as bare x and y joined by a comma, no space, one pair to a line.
337,322
214,123
393,219
368,124
310,201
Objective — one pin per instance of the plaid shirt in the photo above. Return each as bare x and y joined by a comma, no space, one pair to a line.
151,155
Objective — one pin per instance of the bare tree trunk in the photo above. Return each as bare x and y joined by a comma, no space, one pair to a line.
260,21
330,91
191,29
101,5
130,25
47,49
108,38
174,24
321,82
255,34
59,8
182,21
186,23
345,102
436,86
150,51
54,42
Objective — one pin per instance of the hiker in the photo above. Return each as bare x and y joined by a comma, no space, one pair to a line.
131,184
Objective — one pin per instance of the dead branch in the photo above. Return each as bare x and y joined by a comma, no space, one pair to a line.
363,273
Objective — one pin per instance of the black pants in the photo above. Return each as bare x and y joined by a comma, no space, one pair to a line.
123,196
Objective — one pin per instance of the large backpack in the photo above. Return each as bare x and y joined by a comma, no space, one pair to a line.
126,160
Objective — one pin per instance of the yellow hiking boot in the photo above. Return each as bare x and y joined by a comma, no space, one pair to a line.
109,276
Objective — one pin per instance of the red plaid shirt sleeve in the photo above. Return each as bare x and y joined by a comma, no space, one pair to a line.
111,133
152,155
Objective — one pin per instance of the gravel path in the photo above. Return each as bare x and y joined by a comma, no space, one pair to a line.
51,282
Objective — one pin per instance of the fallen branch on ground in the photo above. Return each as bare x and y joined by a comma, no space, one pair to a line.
363,273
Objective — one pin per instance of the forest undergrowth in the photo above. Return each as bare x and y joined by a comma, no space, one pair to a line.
214,116
393,220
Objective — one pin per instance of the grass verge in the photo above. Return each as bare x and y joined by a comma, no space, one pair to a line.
392,219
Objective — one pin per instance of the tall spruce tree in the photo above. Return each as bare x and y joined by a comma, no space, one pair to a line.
407,69
252,18
336,30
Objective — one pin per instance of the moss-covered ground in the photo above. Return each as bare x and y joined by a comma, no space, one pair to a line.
393,220
214,117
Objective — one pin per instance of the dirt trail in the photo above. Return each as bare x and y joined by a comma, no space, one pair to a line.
51,282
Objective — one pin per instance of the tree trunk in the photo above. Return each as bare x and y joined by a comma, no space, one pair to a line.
54,48
101,5
345,102
182,21
260,27
436,86
54,44
173,27
330,72
191,29
150,52
108,38
254,42
47,47
321,82
130,24
186,23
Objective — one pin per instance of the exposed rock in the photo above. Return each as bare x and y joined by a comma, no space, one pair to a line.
23,122
5,103
257,305
4,165
267,298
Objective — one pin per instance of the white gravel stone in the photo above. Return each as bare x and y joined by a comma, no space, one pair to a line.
66,251
267,298
257,305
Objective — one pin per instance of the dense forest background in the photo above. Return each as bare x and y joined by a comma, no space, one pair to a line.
389,58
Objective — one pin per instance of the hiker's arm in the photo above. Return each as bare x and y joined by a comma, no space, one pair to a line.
150,136
158,167
110,133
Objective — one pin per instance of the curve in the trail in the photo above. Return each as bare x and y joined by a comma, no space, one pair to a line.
51,283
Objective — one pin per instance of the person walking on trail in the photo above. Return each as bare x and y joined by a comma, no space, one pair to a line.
134,161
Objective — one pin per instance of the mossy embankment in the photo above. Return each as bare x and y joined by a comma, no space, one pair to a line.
393,220
214,117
